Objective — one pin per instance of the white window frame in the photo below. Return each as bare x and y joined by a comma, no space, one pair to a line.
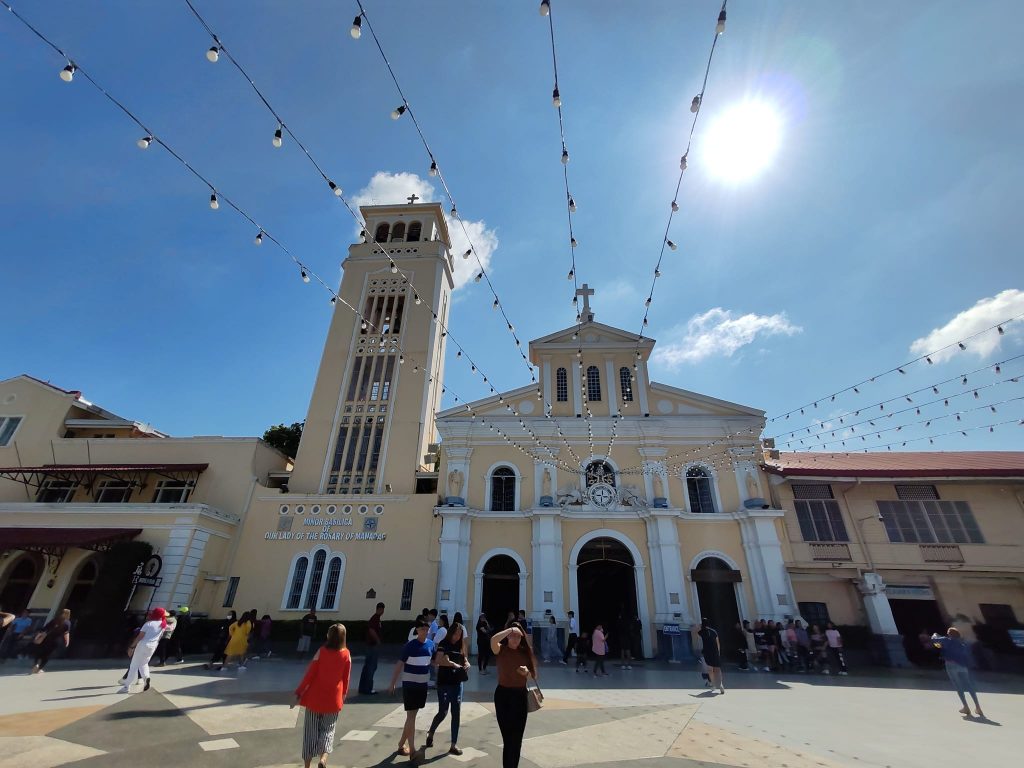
488,485
50,484
4,420
713,476
119,485
310,555
184,486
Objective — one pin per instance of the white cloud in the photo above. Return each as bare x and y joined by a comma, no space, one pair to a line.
395,188
718,332
984,314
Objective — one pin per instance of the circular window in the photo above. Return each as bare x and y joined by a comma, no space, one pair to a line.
315,509
332,510
300,510
347,509
362,509
379,509
284,509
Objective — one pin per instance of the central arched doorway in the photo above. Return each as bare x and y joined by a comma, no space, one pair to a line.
500,589
716,583
21,583
606,586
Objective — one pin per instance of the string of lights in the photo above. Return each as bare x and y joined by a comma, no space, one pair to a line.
435,171
213,55
932,438
821,425
961,345
695,107
217,196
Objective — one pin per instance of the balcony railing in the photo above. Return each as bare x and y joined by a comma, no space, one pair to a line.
941,553
831,551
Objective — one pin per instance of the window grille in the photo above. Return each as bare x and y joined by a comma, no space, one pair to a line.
815,614
331,590
562,385
812,491
626,384
593,384
406,595
930,522
298,581
917,493
698,488
229,596
317,575
820,520
503,490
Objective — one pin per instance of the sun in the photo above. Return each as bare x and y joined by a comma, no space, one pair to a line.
742,142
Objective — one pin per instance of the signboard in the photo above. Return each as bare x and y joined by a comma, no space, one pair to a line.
671,629
1017,636
326,532
909,592
147,574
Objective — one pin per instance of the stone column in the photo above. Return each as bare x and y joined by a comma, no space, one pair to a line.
667,569
546,373
453,567
767,568
547,563
880,618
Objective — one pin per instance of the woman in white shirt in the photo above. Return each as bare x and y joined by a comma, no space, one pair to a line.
143,647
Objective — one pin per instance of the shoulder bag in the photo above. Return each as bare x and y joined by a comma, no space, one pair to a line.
534,696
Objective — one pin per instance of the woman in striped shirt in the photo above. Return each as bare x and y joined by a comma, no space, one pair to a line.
322,692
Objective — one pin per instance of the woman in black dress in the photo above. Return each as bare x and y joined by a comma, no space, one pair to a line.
56,634
483,644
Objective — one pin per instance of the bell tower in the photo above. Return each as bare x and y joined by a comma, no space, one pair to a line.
371,417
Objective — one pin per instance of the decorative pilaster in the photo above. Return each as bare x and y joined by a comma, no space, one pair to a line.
577,393
613,385
547,563
881,620
767,568
670,601
453,568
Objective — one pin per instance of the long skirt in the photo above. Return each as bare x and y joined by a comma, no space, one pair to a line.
318,735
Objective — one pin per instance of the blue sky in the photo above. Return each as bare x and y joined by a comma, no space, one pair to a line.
888,215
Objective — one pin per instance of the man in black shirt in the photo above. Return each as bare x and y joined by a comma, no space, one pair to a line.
308,632
712,653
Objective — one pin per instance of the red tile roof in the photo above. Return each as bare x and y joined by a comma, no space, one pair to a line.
900,464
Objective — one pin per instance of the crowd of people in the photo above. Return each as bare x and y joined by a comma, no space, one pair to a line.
437,656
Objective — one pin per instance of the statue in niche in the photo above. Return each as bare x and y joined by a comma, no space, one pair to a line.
455,483
659,486
753,487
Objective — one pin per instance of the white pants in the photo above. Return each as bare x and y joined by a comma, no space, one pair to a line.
140,662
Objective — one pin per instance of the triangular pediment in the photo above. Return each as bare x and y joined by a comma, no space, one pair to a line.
589,335
523,400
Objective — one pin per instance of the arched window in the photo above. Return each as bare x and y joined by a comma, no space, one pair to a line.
331,587
593,384
82,586
626,384
297,582
503,490
381,235
21,583
398,232
317,576
415,231
600,472
562,385
698,488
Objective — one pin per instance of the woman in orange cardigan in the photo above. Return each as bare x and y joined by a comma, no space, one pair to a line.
322,692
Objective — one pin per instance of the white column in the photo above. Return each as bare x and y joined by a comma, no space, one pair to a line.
641,386
881,620
453,566
577,396
766,566
546,373
547,563
613,385
667,569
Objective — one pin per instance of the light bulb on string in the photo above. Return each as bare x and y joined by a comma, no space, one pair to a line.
572,242
495,304
334,300
720,26
556,99
961,345
259,238
468,253
144,142
214,204
695,104
278,137
479,277
675,207
357,28
304,274
572,205
401,359
213,54
362,325
657,273
454,212
68,73
565,156
337,192
394,268
571,275
682,163
398,111
545,7
999,328
671,245
433,168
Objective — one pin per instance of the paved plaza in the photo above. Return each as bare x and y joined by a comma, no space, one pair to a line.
650,716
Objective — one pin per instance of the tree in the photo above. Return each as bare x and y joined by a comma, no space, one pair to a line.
285,439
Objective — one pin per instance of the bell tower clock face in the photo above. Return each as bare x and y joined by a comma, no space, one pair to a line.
601,494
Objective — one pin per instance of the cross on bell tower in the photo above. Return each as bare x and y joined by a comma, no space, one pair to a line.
586,292
412,198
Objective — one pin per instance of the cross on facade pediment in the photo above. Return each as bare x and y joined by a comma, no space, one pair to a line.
586,292
412,198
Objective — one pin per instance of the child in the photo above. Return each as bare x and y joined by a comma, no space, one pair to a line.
582,650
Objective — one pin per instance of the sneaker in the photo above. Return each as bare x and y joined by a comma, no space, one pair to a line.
123,689
629,666
453,750
965,711
561,662
844,674
721,689
146,686
827,671
242,668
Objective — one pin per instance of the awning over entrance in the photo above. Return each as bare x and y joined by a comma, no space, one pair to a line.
57,541
84,474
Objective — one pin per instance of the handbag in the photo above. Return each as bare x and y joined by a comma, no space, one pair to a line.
39,639
534,697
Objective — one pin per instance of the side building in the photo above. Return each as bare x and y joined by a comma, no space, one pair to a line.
906,541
